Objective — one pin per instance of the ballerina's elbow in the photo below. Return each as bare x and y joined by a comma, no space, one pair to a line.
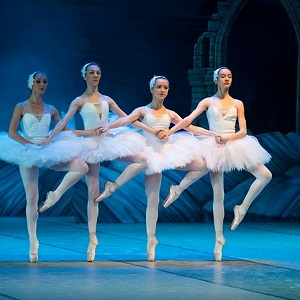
11,134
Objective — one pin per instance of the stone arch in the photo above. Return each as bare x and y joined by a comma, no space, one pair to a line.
210,49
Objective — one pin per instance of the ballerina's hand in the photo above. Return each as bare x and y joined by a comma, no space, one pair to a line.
224,140
220,140
100,130
33,146
47,142
155,131
166,134
162,135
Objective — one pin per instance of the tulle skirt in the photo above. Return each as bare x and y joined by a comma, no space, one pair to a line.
239,154
64,148
180,150
118,143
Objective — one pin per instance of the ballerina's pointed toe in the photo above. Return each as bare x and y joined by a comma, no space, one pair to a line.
238,217
172,196
109,188
50,201
220,242
151,244
91,251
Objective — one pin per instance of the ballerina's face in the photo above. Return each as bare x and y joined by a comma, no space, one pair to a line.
40,83
224,78
92,75
160,89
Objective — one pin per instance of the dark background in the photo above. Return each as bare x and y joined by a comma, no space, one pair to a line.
133,40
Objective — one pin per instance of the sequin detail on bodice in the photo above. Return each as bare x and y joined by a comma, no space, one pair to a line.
95,114
222,120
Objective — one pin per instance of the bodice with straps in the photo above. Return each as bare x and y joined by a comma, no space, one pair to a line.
95,114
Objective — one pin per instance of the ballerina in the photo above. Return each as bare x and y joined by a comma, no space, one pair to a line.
28,150
100,145
230,150
163,154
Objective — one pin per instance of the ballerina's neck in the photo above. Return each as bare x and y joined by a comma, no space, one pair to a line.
92,96
90,90
223,95
35,100
158,109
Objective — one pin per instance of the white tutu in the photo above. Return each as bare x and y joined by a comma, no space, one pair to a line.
63,149
180,150
118,143
239,154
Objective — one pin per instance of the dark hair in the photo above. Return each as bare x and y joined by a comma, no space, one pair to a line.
32,76
83,70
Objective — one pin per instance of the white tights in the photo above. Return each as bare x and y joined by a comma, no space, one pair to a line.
30,176
263,177
92,181
197,169
76,170
152,189
138,164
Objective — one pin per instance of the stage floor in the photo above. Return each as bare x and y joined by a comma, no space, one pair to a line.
260,261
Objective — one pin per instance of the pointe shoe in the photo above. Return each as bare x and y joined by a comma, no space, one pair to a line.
152,243
220,242
33,252
174,193
109,188
50,201
91,251
239,215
